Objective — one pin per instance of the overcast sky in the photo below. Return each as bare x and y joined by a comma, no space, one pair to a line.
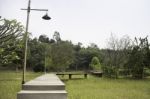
85,21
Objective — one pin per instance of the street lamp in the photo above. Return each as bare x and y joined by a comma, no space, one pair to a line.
45,17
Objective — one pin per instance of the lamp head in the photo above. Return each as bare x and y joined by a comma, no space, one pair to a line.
46,17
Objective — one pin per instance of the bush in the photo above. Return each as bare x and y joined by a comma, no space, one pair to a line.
95,64
111,71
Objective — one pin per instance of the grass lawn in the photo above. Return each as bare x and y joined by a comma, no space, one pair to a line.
103,88
91,88
10,83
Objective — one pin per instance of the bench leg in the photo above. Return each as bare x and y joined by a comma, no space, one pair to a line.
70,76
85,75
100,75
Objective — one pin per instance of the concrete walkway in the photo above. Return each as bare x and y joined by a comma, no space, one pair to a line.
47,86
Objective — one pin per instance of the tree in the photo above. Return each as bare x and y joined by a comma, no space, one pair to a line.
139,57
11,33
48,59
61,55
36,55
75,63
56,36
95,64
44,39
116,55
84,57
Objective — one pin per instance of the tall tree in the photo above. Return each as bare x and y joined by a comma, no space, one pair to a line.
48,59
36,55
11,33
9,30
56,36
139,57
116,54
61,55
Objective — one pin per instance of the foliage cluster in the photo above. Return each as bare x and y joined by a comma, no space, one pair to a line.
123,57
11,34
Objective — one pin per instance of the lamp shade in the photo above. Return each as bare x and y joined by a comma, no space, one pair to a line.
46,17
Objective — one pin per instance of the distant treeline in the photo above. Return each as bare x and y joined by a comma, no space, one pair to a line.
122,57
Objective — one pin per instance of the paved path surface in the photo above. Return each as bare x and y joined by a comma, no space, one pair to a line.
47,86
45,82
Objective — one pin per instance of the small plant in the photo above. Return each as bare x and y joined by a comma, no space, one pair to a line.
95,64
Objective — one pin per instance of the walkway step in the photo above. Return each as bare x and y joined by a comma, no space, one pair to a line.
47,86
61,94
45,82
43,87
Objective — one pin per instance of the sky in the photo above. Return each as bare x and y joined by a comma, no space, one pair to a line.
85,21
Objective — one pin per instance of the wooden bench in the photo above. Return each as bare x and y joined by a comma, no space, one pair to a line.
97,73
70,74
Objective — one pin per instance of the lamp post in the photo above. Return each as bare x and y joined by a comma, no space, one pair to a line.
45,17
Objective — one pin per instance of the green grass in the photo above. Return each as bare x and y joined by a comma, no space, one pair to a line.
102,88
80,88
10,83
